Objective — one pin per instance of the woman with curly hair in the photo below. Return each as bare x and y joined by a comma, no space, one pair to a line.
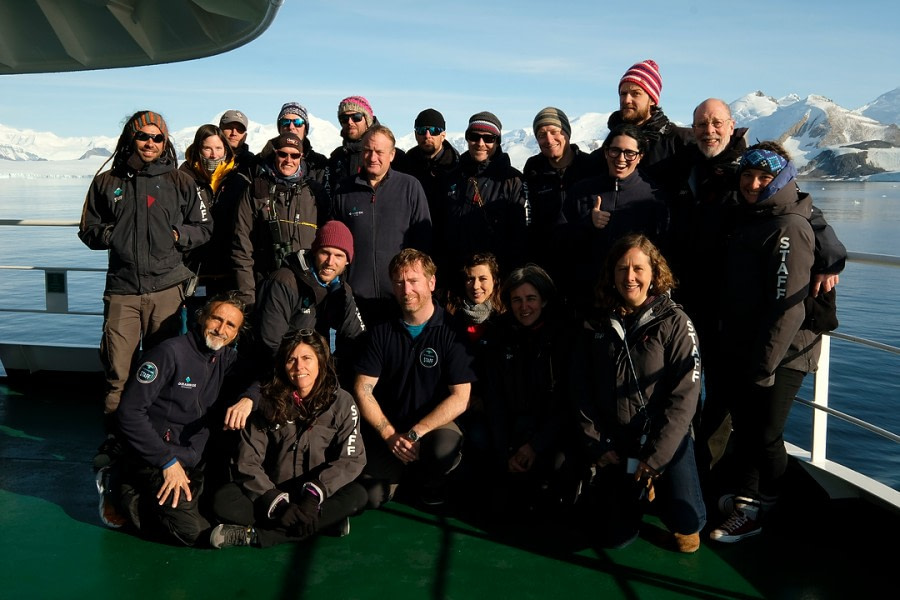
636,382
298,457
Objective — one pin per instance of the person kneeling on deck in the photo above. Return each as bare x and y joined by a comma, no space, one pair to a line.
163,419
413,379
298,457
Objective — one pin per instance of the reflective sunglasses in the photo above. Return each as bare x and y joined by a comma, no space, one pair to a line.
298,122
614,152
434,131
355,117
143,136
291,155
487,138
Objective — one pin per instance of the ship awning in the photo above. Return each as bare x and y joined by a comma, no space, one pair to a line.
43,36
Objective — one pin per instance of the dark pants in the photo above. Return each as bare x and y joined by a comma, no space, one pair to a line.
140,482
759,415
616,508
231,505
439,453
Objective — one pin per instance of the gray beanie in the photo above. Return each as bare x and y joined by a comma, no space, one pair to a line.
552,116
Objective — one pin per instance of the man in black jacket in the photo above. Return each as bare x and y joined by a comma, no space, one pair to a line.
146,214
311,293
163,418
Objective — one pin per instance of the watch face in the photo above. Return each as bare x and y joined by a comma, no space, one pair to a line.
412,435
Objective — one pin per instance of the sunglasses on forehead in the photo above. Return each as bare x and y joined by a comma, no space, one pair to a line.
143,136
487,138
291,155
431,129
298,122
355,117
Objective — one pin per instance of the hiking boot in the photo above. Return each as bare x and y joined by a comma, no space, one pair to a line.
743,522
109,513
108,453
687,543
223,536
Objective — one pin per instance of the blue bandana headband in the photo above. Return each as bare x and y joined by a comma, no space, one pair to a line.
765,160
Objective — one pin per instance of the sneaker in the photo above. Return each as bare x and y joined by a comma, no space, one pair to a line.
726,504
109,514
433,495
743,522
108,452
223,536
343,528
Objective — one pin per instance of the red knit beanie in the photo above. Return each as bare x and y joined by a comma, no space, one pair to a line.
645,74
334,234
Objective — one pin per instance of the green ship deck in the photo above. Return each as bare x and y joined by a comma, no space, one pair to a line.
56,547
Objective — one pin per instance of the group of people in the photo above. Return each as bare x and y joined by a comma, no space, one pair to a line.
355,322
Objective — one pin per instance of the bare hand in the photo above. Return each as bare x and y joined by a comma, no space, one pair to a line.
237,413
403,448
175,481
825,282
599,218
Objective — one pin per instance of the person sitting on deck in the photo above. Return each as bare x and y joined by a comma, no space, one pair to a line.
163,418
299,456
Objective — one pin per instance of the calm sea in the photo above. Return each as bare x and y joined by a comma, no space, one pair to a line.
864,382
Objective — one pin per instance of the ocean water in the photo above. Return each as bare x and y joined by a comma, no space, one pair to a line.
864,381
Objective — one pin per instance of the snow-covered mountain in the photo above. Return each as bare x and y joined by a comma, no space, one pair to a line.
826,140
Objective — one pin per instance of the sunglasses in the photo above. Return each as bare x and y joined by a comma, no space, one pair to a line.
298,122
355,117
487,138
434,131
291,155
629,155
143,136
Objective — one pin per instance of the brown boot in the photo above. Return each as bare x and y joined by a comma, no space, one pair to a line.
687,542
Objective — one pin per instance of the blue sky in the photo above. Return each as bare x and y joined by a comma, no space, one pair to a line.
509,57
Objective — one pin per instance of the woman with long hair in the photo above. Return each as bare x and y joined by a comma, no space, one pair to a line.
298,457
636,383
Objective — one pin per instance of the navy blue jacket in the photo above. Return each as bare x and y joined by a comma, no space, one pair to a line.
163,409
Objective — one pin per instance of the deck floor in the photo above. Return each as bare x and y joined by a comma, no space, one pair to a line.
55,547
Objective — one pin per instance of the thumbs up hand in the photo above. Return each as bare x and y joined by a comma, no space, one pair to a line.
599,218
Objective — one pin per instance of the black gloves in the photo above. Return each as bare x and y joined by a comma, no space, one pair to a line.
300,518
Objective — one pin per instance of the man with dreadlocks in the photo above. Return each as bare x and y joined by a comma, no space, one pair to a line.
146,214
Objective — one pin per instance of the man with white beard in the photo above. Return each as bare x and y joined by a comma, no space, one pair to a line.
699,249
159,478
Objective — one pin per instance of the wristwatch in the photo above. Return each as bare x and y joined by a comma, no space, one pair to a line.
412,435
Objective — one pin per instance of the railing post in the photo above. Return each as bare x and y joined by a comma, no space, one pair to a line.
57,294
820,398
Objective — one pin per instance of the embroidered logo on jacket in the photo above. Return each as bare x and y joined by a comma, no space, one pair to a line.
147,373
428,358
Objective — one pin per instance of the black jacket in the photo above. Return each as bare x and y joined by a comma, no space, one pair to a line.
269,204
133,212
487,210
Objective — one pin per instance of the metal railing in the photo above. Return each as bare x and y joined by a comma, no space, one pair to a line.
56,293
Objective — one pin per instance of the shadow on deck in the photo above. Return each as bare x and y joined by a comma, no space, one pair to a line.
50,427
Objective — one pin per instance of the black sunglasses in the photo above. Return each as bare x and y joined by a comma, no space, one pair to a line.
355,117
143,136
487,138
291,155
298,122
434,131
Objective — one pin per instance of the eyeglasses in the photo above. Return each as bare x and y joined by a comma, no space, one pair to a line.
143,136
487,138
434,131
355,117
291,155
717,124
629,155
298,122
